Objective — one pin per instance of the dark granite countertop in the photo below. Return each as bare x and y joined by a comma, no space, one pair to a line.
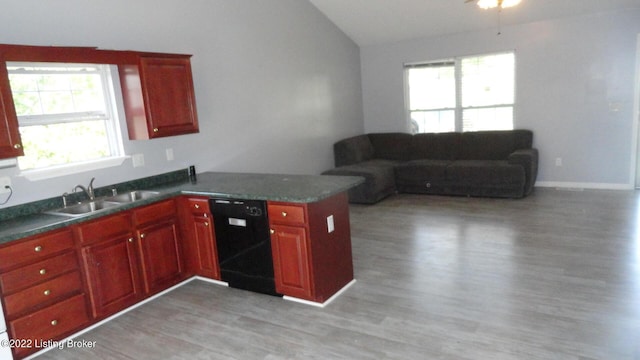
30,219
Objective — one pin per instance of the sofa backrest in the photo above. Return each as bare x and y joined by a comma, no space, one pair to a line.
479,145
436,146
494,145
390,146
352,150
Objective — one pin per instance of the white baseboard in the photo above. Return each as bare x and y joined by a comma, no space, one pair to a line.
321,305
217,282
580,185
56,344
132,307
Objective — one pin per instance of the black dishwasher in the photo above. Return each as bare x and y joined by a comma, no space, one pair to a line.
244,244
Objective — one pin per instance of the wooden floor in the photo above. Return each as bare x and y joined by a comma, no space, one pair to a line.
552,276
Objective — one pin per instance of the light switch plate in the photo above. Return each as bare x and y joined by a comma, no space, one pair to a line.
169,153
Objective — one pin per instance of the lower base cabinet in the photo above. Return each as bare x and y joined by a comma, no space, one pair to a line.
112,275
115,261
161,262
311,247
49,323
199,235
291,261
130,256
42,289
110,259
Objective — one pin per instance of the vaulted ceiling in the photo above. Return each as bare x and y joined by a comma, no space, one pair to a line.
369,22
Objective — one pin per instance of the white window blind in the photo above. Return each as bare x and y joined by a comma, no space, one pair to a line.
462,94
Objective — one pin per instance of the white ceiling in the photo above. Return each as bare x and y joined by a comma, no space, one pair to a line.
369,22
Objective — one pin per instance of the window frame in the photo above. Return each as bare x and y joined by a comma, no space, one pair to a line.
112,115
458,109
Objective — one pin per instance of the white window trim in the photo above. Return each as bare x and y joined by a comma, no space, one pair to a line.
458,78
116,141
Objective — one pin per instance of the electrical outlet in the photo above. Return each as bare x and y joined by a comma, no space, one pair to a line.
4,182
169,153
330,225
138,160
558,161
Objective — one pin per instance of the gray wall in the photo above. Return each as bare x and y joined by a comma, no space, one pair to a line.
575,90
276,83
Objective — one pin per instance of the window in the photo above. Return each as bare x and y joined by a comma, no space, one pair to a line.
462,94
65,113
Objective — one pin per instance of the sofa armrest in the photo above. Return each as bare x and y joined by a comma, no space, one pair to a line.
528,158
352,150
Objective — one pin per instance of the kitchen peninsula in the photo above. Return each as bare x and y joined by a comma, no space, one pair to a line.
62,274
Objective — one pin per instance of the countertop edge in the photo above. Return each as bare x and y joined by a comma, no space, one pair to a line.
44,222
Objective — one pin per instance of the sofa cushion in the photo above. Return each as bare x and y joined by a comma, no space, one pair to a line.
379,180
391,146
422,172
352,150
486,172
436,146
494,145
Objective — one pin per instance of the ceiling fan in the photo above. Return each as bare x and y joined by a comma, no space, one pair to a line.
489,4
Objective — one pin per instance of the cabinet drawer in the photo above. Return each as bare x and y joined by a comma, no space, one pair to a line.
152,213
50,323
286,214
198,206
44,293
29,275
104,228
39,247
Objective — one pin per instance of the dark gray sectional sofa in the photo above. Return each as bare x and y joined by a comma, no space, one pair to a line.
484,163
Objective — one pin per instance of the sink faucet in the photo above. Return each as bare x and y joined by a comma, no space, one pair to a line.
88,190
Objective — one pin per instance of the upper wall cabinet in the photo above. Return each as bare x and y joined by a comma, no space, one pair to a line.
159,99
10,144
157,89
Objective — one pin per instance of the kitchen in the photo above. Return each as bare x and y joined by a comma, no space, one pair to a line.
298,95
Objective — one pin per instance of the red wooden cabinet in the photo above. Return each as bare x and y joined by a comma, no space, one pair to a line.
130,255
199,237
159,248
159,98
40,278
10,143
110,259
290,249
112,275
311,258
159,245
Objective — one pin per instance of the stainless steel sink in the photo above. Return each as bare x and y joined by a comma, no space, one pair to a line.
84,208
132,196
